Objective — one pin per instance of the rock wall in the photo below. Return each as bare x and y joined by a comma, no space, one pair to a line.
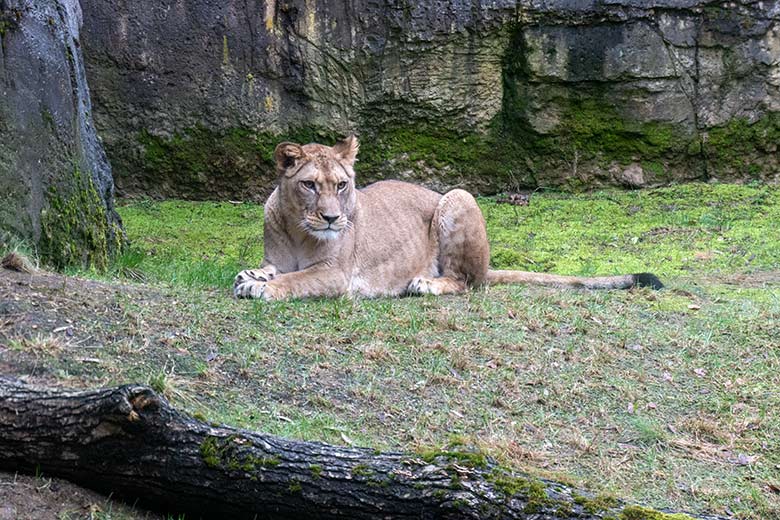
56,188
192,96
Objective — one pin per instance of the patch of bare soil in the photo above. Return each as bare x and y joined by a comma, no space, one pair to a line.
60,330
24,497
40,315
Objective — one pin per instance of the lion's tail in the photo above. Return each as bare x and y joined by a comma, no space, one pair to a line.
625,281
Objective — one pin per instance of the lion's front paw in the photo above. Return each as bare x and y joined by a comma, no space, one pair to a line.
437,286
249,288
422,285
253,283
266,274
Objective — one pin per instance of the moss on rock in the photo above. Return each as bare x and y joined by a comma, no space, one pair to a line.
596,504
201,163
511,152
589,130
444,156
238,162
585,130
739,147
75,228
594,127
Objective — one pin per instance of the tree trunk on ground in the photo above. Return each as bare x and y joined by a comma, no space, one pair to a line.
56,187
129,441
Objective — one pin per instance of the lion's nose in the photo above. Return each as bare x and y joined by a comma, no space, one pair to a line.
330,219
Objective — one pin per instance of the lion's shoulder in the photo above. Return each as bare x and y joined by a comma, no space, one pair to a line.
399,188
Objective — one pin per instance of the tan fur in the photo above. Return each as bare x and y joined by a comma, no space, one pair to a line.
324,238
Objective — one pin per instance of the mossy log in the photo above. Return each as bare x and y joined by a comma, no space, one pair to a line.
129,441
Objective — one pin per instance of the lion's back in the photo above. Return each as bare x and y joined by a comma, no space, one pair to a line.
395,197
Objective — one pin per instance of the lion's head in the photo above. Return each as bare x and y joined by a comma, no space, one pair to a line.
317,185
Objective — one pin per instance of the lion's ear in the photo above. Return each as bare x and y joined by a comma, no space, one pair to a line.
347,149
287,156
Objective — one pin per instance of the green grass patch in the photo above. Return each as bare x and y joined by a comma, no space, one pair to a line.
670,231
190,243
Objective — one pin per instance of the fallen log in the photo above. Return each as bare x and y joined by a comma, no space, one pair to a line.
130,442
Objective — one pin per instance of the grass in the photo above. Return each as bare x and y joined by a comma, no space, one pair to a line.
667,399
191,243
674,231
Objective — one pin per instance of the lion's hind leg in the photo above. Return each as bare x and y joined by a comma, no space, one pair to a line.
464,252
462,256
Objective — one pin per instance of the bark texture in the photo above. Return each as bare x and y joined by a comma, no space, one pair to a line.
128,441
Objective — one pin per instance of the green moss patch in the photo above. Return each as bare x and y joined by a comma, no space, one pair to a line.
202,163
75,229
197,154
597,504
456,450
443,155
739,145
642,513
226,453
463,458
593,127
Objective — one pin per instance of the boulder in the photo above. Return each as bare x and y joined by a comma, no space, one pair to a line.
56,185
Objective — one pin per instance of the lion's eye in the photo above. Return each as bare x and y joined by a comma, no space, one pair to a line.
309,185
342,185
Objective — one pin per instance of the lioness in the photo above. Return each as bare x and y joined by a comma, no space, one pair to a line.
323,237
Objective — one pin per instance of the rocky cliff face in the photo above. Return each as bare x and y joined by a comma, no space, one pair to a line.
55,182
192,96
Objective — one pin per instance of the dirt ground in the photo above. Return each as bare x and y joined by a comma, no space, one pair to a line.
27,497
49,306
